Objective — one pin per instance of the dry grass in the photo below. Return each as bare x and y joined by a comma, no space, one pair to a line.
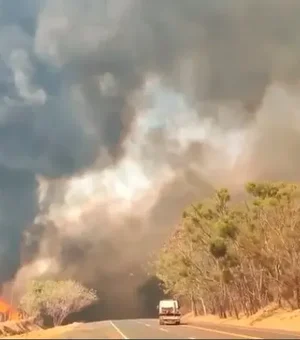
44,333
17,327
270,317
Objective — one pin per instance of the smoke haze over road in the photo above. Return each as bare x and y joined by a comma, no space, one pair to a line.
116,114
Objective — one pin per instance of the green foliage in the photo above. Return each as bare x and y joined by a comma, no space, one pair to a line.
56,299
227,228
237,257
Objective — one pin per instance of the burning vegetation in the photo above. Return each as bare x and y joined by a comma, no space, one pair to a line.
116,115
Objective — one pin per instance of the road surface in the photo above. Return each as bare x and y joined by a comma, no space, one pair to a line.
150,329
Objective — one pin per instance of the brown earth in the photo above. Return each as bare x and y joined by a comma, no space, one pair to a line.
270,317
15,327
25,329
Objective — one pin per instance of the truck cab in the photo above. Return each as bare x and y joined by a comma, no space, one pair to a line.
169,313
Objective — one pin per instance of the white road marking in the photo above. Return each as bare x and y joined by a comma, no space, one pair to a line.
192,338
118,330
222,332
269,330
164,330
245,328
143,323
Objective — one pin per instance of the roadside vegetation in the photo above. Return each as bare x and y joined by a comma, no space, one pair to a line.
55,300
47,304
232,258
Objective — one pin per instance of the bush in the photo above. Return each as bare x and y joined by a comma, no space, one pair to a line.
56,299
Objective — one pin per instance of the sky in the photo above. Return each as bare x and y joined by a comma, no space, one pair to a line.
36,82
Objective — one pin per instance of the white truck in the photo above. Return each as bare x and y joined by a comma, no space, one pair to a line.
169,312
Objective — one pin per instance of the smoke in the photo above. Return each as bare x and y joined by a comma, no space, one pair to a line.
114,115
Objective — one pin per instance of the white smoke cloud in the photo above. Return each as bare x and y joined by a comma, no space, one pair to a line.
125,111
23,72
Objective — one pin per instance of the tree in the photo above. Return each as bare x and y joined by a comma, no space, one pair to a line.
56,299
232,258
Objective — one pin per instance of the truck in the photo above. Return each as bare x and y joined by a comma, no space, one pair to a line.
169,312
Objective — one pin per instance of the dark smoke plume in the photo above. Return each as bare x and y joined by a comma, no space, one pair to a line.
75,76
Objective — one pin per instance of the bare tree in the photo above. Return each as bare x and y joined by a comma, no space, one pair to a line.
56,299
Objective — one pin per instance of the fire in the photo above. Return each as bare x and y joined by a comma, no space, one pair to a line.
8,312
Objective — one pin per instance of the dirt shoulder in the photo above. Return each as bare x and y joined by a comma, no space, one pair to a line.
269,318
50,333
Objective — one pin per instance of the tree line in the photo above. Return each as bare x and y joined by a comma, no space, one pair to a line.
230,257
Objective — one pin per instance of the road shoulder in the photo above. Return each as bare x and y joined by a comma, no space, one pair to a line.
271,317
255,332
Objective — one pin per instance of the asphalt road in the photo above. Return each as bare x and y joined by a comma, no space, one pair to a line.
150,329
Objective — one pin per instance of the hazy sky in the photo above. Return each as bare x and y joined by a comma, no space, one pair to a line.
126,111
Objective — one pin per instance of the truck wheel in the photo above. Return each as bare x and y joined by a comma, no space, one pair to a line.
161,322
177,322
